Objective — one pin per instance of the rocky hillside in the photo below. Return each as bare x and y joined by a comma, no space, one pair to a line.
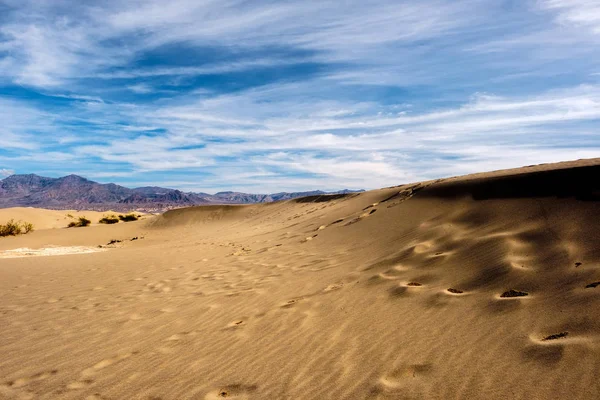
76,192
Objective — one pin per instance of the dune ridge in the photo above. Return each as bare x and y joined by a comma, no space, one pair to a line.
479,287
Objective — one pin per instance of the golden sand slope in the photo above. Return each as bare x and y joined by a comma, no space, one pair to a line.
391,294
48,219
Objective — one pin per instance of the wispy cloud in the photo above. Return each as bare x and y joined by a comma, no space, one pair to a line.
6,172
581,13
265,96
361,148
140,88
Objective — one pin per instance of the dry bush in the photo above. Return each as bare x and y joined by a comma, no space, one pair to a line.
27,227
128,217
12,228
109,219
82,221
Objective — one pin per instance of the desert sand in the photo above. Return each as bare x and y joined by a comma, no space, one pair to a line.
479,287
49,219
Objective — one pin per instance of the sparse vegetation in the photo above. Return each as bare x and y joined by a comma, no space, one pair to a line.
109,219
12,228
128,217
27,227
82,221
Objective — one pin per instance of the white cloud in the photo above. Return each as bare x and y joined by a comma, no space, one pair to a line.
6,172
18,121
580,13
50,45
316,130
380,42
357,148
140,88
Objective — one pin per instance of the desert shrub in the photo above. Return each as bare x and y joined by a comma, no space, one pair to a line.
109,219
27,227
12,228
82,221
128,217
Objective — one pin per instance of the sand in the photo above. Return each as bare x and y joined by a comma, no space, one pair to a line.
49,219
481,287
49,251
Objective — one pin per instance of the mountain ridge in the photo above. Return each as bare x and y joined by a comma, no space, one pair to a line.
76,192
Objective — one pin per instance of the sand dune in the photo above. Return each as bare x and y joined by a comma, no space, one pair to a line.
480,287
48,219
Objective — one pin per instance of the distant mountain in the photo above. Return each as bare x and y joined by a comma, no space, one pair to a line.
72,191
242,198
76,192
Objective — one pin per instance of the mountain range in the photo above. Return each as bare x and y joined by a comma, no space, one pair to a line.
76,192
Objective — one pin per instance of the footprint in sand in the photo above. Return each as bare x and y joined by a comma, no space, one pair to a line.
544,355
422,247
445,297
80,384
366,214
108,362
402,376
592,285
556,336
507,301
333,286
513,293
177,337
236,391
357,219
309,238
174,338
85,379
403,290
236,324
159,287
97,396
546,351
389,275
20,382
398,291
289,303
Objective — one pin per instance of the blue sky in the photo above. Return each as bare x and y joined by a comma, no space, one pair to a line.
265,96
